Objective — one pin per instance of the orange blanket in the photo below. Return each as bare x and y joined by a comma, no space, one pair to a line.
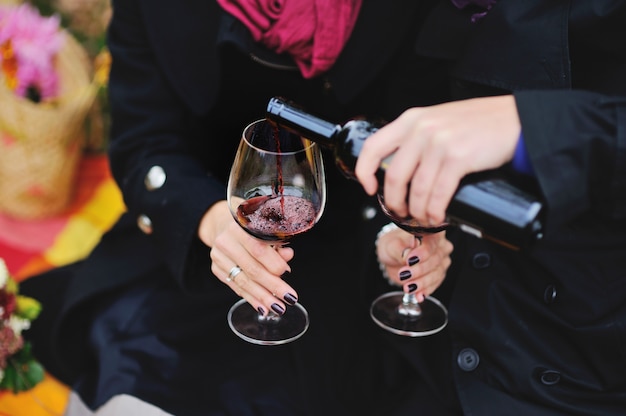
31,247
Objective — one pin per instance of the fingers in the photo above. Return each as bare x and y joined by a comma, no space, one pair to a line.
253,270
393,246
432,188
406,160
376,148
426,265
434,148
428,273
419,269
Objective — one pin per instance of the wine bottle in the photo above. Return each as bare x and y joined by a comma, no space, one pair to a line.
497,205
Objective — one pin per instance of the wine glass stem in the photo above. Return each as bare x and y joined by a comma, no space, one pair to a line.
409,306
271,317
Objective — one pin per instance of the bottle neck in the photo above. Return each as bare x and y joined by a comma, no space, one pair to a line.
290,117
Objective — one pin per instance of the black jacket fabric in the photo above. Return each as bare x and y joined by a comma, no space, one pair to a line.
541,331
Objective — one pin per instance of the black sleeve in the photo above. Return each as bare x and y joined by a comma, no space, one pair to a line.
154,125
576,141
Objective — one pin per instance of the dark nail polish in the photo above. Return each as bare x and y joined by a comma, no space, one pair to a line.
278,309
412,287
260,310
290,299
405,274
413,260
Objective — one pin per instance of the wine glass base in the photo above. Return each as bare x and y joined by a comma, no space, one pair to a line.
384,311
249,326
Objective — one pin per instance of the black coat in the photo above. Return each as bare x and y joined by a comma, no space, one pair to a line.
542,331
143,315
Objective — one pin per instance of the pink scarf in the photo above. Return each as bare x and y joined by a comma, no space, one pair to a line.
313,32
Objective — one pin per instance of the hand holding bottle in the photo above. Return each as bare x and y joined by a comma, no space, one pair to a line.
429,150
435,147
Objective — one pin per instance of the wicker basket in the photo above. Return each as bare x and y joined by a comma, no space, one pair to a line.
41,144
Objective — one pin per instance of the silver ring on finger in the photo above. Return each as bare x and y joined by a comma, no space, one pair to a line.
233,273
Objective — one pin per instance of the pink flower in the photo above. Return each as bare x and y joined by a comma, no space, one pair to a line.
35,40
10,343
7,304
43,79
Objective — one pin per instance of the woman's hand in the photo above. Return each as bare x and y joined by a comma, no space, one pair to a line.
419,265
262,265
435,147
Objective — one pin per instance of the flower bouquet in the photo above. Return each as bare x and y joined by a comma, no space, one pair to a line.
19,371
46,91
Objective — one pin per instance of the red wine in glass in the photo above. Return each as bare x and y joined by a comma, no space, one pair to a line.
276,190
276,218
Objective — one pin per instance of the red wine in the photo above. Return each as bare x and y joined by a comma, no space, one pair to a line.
498,205
279,164
278,217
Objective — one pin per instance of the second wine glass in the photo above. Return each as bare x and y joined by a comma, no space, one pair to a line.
400,312
276,190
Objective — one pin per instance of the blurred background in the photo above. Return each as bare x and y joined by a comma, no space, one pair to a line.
57,196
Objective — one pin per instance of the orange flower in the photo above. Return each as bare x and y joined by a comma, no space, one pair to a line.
9,64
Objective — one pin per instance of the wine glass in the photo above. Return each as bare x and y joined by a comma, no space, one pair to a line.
276,190
400,312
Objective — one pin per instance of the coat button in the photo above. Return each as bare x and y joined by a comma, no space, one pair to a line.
369,212
550,377
327,86
468,359
481,261
145,224
549,295
155,178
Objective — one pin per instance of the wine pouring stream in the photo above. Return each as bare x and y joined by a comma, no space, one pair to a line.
276,190
489,205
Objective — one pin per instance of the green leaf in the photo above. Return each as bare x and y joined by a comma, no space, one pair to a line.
8,381
23,372
30,373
